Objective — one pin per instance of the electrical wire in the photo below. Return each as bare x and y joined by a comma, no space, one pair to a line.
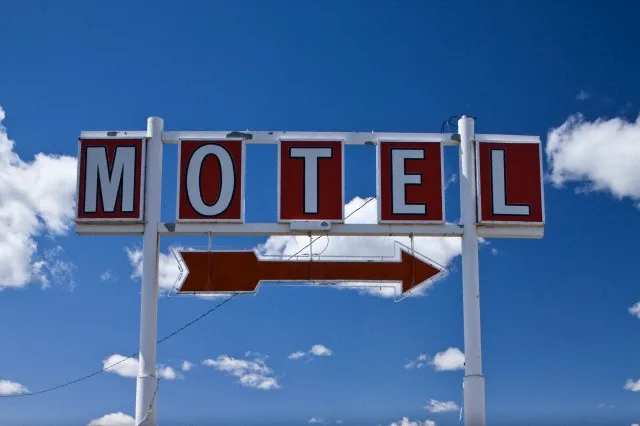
153,399
95,373
317,238
187,325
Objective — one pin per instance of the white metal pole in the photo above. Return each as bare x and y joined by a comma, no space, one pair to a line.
147,382
474,400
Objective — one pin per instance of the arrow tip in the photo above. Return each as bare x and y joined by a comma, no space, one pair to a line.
418,271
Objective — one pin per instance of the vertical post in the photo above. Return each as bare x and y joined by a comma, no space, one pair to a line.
474,402
147,382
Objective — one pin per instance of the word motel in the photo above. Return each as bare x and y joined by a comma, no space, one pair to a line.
211,181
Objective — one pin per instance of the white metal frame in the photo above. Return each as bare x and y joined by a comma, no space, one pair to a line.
346,229
379,183
521,140
242,179
469,231
289,139
141,189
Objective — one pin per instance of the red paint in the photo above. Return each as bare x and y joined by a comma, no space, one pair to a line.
110,145
428,192
210,180
242,271
523,180
330,197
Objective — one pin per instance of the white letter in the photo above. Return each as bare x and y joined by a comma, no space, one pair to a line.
499,188
122,174
311,179
227,180
400,179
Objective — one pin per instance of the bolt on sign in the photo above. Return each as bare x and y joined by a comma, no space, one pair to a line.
120,173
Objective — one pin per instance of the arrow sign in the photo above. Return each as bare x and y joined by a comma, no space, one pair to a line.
243,271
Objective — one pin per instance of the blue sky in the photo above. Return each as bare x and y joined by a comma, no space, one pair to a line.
559,319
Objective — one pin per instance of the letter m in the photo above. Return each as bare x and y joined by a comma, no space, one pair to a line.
110,182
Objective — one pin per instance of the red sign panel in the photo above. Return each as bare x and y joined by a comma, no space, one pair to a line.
509,183
410,182
310,181
110,180
211,181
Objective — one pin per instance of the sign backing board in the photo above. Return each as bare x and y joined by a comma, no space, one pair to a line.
410,182
310,180
110,180
510,183
210,180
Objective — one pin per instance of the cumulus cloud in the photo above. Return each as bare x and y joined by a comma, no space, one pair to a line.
406,422
448,360
186,365
435,406
419,362
113,419
317,420
633,386
635,310
583,96
38,199
441,250
250,373
107,276
316,350
168,268
7,388
128,367
601,155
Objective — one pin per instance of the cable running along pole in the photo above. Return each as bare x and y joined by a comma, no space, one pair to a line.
474,400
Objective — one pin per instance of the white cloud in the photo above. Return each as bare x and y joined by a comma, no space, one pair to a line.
113,419
419,362
435,406
321,350
107,276
633,386
602,155
128,367
603,406
37,199
297,355
583,96
449,360
186,365
316,350
250,373
441,250
406,422
7,387
168,269
635,309
635,424
167,373
317,420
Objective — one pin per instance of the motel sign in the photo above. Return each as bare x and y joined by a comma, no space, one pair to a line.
120,186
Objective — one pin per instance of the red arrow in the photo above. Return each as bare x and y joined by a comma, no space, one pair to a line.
242,271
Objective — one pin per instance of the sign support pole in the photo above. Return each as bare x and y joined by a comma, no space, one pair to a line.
474,399
147,382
